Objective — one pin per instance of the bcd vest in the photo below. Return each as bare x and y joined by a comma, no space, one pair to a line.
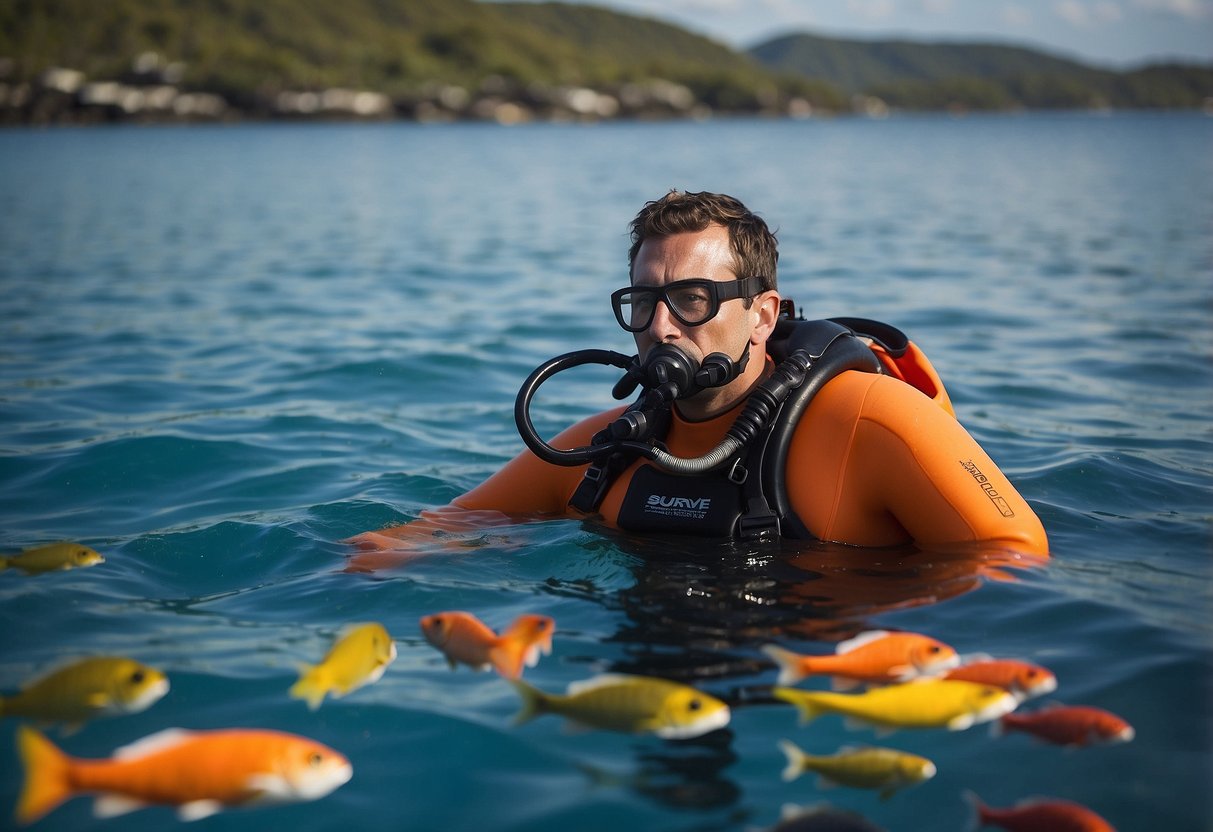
747,497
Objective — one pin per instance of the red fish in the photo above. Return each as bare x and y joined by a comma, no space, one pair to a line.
199,772
1069,725
465,639
877,656
1039,815
1023,679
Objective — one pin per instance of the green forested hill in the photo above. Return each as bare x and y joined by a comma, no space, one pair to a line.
979,76
859,65
250,50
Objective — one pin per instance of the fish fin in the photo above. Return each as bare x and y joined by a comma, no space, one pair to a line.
961,722
975,658
997,728
860,640
5,563
595,682
311,686
573,728
789,663
113,805
46,775
158,741
882,731
809,710
532,656
98,699
507,658
794,755
902,672
885,794
976,807
843,684
532,701
269,787
198,809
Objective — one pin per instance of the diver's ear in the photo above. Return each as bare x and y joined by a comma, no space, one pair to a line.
766,313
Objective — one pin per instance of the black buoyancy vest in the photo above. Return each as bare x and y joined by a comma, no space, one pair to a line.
748,497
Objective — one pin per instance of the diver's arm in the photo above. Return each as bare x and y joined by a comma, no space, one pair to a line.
525,488
894,464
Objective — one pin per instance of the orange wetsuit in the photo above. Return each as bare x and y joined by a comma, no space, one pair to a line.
874,462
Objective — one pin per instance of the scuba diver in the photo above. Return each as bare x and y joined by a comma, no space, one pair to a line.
749,423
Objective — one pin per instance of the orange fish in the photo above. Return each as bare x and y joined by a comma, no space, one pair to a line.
1024,679
1039,815
199,772
1069,725
466,639
876,656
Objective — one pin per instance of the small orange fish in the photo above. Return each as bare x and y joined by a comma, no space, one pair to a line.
465,639
877,656
1039,815
199,772
1024,679
1069,725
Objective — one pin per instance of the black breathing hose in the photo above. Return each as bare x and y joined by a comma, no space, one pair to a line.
522,406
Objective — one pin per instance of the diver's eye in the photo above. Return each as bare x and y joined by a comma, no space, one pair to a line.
694,704
137,677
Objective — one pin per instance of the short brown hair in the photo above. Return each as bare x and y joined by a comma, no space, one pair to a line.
755,250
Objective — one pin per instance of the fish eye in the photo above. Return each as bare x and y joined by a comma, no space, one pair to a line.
694,704
138,676
315,759
934,648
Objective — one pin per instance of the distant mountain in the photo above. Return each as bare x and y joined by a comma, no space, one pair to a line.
859,65
929,76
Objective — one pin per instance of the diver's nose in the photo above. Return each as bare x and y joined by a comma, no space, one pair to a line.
664,326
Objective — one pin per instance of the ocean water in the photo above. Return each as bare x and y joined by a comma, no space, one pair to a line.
226,349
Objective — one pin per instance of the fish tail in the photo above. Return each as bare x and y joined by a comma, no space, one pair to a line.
977,808
532,701
795,760
311,686
46,775
508,656
4,563
809,709
791,665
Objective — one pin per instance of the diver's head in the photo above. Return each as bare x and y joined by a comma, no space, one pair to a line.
687,293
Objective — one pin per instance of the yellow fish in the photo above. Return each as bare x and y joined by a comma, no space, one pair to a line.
863,768
51,557
358,658
923,703
99,686
634,704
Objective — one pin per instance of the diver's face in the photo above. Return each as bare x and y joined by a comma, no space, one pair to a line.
697,254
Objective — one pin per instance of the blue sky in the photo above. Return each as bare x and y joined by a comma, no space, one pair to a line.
1112,33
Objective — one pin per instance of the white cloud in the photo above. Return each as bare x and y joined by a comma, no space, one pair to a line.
1089,14
1192,9
872,9
1013,14
1073,12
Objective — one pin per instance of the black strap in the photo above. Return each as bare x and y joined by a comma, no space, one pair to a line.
892,339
